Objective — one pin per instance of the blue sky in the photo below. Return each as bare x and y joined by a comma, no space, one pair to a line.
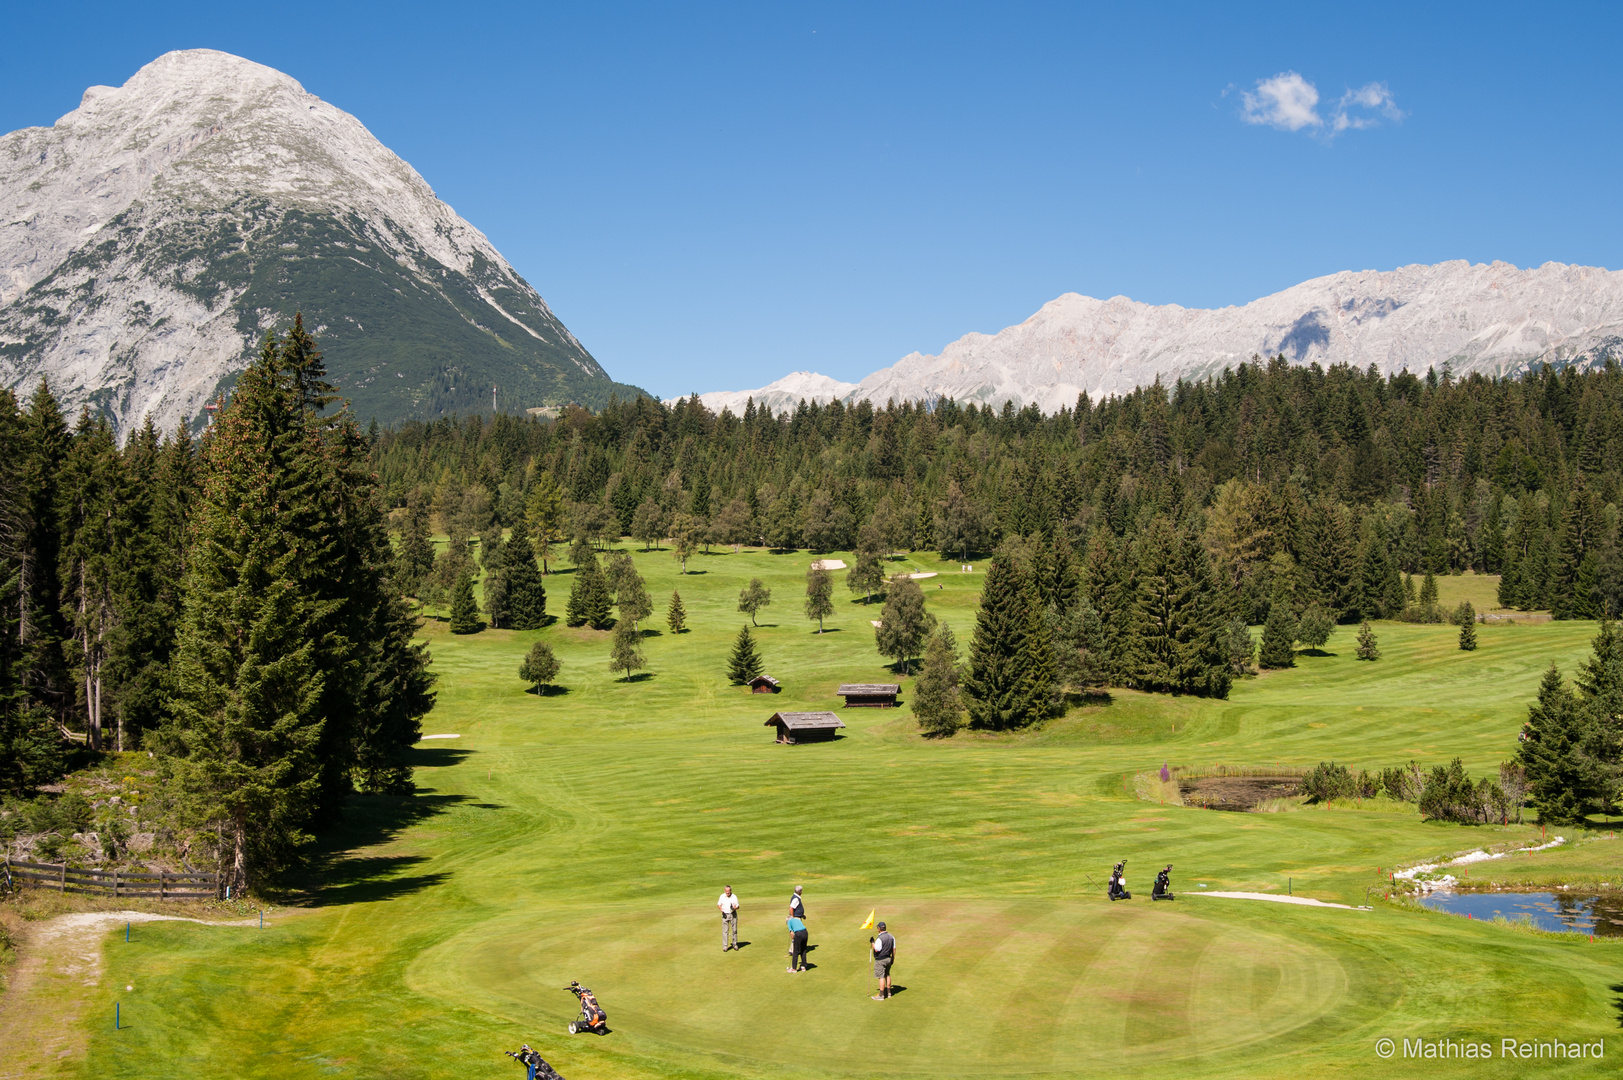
712,196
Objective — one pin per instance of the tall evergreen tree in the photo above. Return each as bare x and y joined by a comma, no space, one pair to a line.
526,591
1564,780
1278,639
93,558
1368,647
1180,622
41,630
589,603
937,704
464,609
625,648
676,616
744,663
1467,620
1004,685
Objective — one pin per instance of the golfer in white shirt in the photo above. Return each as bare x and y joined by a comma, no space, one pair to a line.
728,903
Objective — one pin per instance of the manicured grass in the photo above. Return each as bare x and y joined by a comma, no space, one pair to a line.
584,835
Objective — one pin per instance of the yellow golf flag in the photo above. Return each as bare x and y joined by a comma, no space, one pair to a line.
869,924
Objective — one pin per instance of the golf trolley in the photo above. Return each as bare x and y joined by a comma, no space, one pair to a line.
1118,882
1163,885
592,1017
535,1065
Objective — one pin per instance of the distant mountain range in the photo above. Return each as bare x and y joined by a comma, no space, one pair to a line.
1495,319
150,237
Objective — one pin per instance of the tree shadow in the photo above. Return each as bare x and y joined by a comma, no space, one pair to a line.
1315,652
651,632
641,676
829,630
1617,1002
1088,698
437,757
694,573
552,690
331,873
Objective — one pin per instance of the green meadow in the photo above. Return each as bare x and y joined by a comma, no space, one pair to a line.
585,835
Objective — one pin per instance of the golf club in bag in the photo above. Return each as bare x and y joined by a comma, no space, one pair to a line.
1163,885
592,1017
1118,882
535,1065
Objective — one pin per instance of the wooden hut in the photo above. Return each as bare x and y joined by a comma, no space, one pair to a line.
870,695
799,727
764,684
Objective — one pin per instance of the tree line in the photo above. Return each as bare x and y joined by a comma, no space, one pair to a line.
227,602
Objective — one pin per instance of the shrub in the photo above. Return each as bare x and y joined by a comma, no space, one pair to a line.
1330,781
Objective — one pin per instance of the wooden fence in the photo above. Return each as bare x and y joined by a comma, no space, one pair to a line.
116,882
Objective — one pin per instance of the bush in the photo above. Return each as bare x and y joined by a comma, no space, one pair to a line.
1330,781
1450,796
1403,784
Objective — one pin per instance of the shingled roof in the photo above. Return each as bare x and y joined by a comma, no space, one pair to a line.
803,721
869,688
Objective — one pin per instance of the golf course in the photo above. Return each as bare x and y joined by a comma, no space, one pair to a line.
584,834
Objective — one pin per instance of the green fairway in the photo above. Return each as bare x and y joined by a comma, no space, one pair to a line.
585,835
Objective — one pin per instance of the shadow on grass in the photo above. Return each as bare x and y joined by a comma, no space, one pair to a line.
334,874
641,676
651,632
829,630
1315,652
694,573
1617,1003
548,691
437,757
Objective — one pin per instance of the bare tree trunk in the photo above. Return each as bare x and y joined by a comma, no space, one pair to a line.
238,873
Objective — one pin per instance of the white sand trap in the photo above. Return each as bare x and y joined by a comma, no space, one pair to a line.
829,564
425,738
925,574
1303,900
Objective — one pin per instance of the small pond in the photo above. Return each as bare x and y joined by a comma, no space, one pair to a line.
1576,912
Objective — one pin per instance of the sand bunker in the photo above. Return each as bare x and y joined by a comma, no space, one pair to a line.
1303,900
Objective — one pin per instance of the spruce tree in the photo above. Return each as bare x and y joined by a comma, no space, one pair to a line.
589,597
937,704
625,648
676,616
1428,593
998,686
744,663
1278,638
416,548
1368,648
464,609
540,667
526,590
632,597
1179,622
93,559
1564,780
819,595
1467,620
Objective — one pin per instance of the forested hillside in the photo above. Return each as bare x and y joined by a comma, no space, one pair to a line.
1328,483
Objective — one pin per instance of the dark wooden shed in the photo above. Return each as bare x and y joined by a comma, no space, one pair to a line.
764,684
870,695
799,727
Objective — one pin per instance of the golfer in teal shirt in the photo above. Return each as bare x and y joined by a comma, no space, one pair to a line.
797,944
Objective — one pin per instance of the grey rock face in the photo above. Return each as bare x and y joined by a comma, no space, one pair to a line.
150,237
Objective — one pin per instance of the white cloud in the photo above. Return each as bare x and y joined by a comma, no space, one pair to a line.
1371,98
1287,101
1291,103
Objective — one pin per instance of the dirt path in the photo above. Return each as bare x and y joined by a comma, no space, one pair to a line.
1305,901
59,958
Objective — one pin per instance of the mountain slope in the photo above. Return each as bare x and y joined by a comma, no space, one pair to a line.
1494,318
150,237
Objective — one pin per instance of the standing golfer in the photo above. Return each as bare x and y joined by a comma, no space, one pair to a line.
884,954
797,944
797,906
728,903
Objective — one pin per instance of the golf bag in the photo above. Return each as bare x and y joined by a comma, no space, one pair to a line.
592,1017
1118,882
1163,885
535,1065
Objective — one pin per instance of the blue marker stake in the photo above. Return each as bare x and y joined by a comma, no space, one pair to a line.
262,918
126,933
117,1019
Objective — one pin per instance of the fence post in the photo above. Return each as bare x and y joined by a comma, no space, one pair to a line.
62,879
115,883
160,885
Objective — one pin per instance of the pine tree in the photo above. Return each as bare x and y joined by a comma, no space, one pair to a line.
1278,638
744,663
632,596
937,704
1467,620
676,616
753,597
526,590
625,648
1001,690
93,557
540,667
1564,781
819,595
464,610
1178,622
1368,648
1428,592
589,597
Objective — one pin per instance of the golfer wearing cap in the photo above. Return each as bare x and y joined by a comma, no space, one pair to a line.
884,954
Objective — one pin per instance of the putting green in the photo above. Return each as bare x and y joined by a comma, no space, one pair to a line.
585,835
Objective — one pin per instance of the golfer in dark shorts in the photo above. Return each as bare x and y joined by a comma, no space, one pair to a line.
797,944
884,954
